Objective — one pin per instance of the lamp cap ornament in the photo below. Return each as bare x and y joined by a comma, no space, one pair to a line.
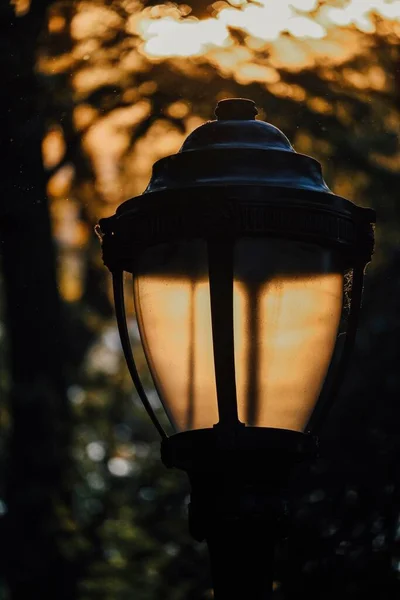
236,109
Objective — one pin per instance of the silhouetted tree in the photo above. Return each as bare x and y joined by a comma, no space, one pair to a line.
34,530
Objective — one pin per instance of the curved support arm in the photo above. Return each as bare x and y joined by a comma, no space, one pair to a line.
118,288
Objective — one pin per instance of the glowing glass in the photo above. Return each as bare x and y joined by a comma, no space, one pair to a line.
287,299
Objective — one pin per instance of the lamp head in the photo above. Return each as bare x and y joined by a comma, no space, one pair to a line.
240,256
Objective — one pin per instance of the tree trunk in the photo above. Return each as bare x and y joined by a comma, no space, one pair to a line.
33,529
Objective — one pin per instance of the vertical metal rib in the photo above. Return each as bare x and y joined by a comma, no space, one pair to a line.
191,364
336,377
118,287
220,267
253,392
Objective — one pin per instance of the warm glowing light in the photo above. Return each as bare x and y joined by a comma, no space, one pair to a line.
167,37
94,20
83,116
176,319
285,329
53,147
281,360
60,183
21,7
52,65
248,72
161,139
298,326
72,235
70,231
241,40
318,32
178,110
107,141
91,78
168,32
304,5
360,14
320,105
56,24
374,78
70,275
302,27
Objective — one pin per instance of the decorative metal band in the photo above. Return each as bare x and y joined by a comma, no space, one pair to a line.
206,449
159,222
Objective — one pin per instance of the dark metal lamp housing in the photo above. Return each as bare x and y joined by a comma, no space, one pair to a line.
246,269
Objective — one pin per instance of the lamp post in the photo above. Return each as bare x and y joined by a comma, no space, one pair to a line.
246,269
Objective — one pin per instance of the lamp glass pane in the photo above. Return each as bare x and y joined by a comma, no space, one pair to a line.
288,305
288,299
172,301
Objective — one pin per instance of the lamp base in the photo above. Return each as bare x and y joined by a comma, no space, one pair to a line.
239,499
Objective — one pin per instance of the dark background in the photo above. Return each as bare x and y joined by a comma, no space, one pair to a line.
87,511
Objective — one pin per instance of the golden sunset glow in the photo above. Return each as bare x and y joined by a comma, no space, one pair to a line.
167,31
289,34
296,33
125,56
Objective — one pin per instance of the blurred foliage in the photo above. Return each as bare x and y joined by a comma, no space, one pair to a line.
113,106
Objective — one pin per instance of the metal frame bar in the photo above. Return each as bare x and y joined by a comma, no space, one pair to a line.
220,267
118,287
191,362
336,377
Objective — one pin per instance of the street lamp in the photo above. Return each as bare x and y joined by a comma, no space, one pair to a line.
246,271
